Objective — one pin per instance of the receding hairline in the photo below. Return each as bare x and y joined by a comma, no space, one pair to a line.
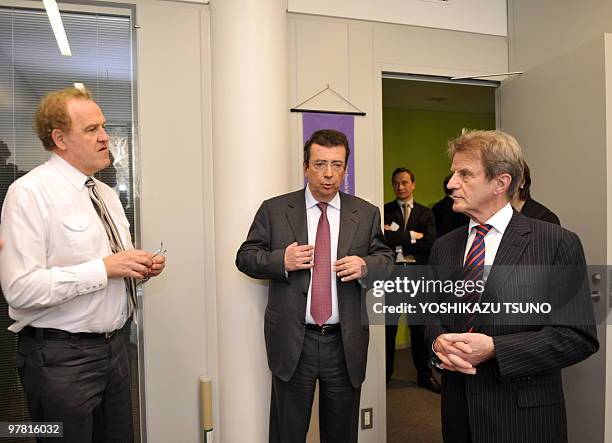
72,101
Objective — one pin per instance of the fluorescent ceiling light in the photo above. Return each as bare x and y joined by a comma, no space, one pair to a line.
57,26
79,86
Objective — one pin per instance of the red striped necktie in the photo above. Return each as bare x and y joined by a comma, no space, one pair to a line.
473,269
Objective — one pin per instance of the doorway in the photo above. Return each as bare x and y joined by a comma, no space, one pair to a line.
420,114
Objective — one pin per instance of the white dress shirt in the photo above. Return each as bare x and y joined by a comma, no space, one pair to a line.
312,217
499,222
51,266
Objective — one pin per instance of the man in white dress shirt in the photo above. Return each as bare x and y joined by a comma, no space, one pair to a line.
67,271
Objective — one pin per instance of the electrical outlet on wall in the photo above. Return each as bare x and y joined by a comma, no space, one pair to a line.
367,419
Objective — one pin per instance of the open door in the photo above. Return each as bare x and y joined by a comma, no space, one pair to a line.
557,111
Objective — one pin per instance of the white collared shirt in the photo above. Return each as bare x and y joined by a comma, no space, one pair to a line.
51,266
312,217
499,222
401,203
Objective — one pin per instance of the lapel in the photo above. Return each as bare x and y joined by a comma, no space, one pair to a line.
296,216
510,250
395,213
348,225
414,213
457,248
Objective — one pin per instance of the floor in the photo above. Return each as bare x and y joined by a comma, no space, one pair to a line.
413,413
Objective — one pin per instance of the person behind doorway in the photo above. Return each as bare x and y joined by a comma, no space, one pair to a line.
501,376
447,219
410,231
527,206
319,248
68,271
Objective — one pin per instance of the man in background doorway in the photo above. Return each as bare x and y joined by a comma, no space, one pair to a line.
527,206
410,231
446,219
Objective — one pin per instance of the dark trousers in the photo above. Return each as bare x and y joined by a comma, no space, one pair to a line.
322,359
82,382
420,353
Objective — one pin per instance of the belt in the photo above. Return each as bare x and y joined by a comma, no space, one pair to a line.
324,329
58,334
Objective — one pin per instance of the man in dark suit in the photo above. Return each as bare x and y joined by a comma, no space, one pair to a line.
501,378
527,206
410,231
319,248
446,219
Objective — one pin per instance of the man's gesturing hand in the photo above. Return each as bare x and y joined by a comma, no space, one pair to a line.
298,257
159,263
133,263
350,268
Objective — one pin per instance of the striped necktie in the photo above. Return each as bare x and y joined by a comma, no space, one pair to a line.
473,269
113,238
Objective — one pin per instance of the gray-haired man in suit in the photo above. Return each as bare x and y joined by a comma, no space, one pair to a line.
318,247
502,379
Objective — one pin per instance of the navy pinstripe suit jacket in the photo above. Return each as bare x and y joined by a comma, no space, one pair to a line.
517,396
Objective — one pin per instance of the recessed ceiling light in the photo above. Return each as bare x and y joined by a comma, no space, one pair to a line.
436,98
79,85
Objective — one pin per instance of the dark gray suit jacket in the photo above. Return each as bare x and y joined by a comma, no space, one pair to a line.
281,221
517,396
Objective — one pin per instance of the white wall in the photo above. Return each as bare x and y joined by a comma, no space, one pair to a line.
479,16
567,113
173,75
350,55
545,29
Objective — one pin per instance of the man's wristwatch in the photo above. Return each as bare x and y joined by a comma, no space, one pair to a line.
434,361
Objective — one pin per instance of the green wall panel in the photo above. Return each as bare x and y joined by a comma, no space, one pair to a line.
417,140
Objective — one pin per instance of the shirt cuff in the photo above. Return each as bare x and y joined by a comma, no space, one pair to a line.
91,276
413,237
435,362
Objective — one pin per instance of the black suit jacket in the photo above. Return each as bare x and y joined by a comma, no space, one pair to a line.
537,210
421,220
517,396
447,219
281,221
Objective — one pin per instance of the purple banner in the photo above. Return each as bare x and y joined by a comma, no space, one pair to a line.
312,122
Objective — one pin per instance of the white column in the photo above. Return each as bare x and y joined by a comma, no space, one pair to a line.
251,156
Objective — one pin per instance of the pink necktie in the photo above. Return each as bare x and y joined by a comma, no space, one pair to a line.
320,302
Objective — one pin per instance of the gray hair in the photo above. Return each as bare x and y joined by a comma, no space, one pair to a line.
499,151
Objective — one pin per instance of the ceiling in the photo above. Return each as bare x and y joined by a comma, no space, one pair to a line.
438,96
